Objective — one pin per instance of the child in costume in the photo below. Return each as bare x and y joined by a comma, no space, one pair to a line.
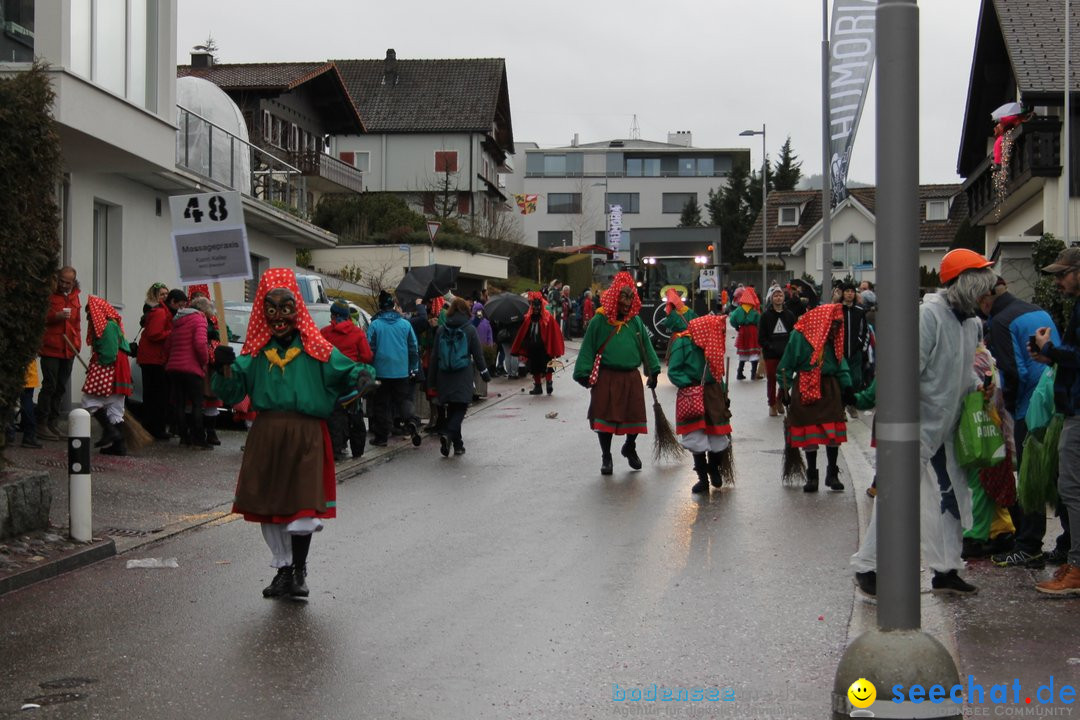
816,383
696,368
618,336
539,341
745,320
293,376
108,377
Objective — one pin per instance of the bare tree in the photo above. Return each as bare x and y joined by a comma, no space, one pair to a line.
499,225
582,224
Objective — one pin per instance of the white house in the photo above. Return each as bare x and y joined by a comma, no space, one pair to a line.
651,181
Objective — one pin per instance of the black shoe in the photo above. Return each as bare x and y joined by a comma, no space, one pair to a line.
379,442
550,387
811,481
950,583
340,457
1057,556
29,442
1002,543
832,478
162,436
415,433
740,376
606,467
297,586
110,433
444,445
867,582
714,469
537,390
630,453
280,584
973,548
459,449
212,438
701,487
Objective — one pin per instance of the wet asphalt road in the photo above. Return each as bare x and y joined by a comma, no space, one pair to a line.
513,582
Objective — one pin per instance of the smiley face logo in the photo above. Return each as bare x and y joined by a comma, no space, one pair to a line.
862,693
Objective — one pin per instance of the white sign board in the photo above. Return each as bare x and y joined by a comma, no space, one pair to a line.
707,279
209,237
614,236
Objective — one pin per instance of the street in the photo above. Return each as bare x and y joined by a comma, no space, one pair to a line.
512,582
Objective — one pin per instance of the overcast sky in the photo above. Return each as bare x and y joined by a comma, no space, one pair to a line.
714,67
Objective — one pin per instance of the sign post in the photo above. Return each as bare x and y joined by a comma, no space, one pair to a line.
433,230
210,241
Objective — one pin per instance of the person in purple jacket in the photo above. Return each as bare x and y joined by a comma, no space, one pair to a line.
187,349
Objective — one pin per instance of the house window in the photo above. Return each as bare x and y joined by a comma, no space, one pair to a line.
937,210
107,271
687,167
294,137
564,203
852,252
463,203
267,126
629,201
358,160
446,161
789,215
554,238
110,45
675,202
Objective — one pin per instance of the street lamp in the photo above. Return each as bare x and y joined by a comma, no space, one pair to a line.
764,207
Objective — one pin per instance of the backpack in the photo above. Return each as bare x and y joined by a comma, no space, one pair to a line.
453,350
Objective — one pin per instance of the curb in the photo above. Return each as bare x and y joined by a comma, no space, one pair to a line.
98,549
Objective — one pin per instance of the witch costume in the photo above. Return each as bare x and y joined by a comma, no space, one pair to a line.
702,415
539,341
745,319
615,344
108,376
815,381
293,376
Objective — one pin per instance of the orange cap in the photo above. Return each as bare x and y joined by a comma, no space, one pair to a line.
959,260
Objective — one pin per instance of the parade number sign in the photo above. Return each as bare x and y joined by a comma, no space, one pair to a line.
707,279
209,237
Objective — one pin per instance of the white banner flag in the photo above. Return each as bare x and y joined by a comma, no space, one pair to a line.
851,60
614,236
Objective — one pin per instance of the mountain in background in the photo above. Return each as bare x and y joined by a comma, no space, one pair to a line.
814,183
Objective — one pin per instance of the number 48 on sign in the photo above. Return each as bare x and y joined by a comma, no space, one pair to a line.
218,208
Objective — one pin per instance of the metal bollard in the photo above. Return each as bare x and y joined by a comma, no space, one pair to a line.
79,508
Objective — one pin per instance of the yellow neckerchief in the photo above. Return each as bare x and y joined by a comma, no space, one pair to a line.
619,324
681,334
274,356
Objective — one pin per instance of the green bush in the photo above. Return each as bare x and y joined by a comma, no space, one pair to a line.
29,242
1047,296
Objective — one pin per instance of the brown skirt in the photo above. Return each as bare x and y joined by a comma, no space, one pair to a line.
618,403
822,423
285,473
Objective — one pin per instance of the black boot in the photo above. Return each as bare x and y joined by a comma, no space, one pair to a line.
714,469
701,467
629,451
606,467
280,584
550,387
119,447
811,481
297,584
832,478
537,390
109,433
739,375
211,434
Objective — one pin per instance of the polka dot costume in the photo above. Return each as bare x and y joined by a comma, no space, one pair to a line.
814,326
259,333
708,333
609,299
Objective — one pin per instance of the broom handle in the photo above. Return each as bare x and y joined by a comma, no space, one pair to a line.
76,351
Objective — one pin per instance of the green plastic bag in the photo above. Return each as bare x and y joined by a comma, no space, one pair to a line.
978,439
1040,408
1036,484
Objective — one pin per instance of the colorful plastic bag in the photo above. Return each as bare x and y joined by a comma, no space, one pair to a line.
979,442
1041,406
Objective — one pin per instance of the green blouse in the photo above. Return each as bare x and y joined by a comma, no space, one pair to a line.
622,352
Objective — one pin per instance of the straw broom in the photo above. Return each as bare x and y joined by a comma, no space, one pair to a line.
135,435
665,444
794,471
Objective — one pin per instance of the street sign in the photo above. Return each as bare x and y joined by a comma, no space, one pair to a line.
209,237
707,279
433,229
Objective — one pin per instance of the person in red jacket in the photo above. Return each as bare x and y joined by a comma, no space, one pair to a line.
539,341
346,424
156,324
62,326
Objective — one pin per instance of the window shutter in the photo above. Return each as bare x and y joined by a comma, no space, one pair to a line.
348,158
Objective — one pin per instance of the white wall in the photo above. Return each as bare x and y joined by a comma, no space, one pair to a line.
845,223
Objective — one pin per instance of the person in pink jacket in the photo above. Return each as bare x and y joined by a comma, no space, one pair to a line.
187,349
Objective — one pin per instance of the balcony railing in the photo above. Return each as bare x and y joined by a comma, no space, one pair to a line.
210,151
1036,152
320,165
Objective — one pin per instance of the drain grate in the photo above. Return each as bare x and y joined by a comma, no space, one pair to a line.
66,683
55,698
127,532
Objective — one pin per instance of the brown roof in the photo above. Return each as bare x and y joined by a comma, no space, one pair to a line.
456,95
783,238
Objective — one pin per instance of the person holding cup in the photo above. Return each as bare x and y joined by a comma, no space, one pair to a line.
62,320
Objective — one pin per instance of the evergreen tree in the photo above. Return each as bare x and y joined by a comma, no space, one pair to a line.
729,211
753,188
788,170
691,213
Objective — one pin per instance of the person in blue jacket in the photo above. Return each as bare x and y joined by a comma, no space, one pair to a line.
397,365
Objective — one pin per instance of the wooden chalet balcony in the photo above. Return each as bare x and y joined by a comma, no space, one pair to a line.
327,174
1036,153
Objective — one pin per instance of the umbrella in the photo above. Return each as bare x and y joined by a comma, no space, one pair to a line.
426,282
1010,108
807,291
506,308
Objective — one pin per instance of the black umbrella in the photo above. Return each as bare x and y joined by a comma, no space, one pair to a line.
426,282
506,308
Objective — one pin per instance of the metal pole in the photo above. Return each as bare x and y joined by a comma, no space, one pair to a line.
1066,157
764,217
898,355
826,181
79,505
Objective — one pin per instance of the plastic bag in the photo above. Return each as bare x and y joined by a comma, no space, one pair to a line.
1040,408
979,442
1036,484
153,563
